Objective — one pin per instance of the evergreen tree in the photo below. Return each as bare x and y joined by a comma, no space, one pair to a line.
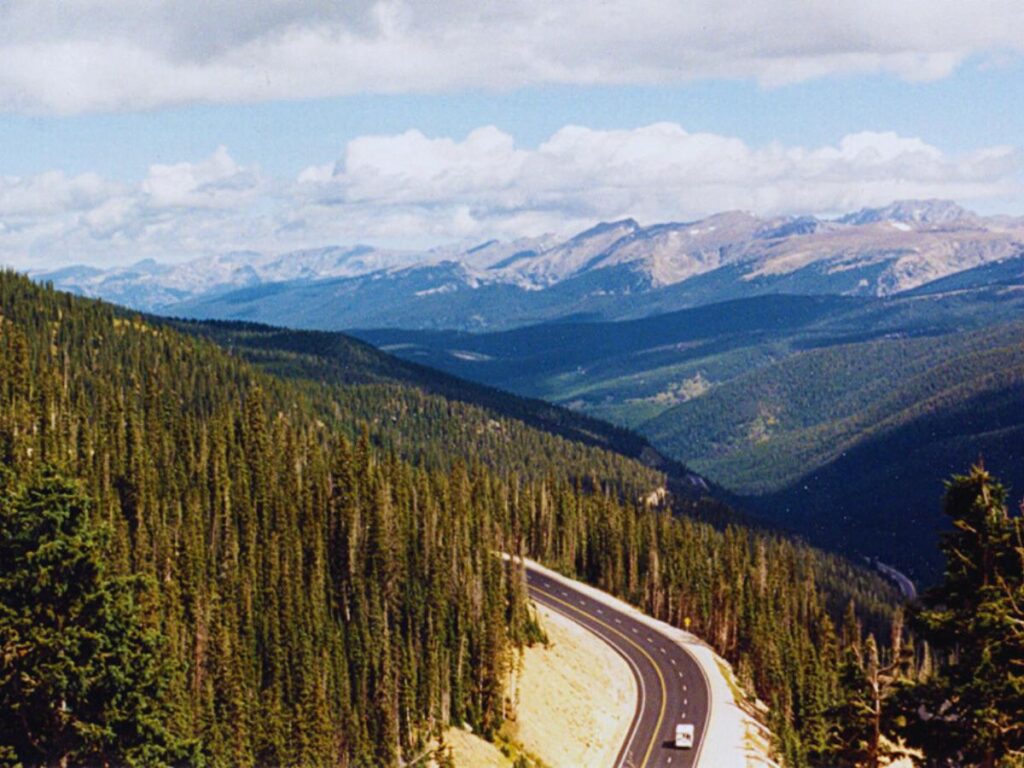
972,711
869,684
81,680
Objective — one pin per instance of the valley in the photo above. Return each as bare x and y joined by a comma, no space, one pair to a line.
405,384
835,417
790,361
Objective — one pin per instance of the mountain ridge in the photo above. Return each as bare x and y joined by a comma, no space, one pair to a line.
599,272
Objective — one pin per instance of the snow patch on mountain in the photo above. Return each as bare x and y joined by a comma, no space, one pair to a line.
877,251
927,213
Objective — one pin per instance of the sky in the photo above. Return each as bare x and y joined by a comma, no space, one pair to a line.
146,129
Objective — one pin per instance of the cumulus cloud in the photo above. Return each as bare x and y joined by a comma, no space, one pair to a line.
78,55
654,173
51,192
175,211
216,182
410,189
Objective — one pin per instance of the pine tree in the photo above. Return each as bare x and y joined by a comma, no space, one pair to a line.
80,676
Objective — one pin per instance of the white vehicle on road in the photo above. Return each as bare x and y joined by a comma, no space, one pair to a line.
684,736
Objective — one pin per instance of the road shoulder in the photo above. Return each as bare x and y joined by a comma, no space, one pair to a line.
574,699
571,704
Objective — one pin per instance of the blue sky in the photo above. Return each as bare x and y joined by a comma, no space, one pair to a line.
166,131
976,106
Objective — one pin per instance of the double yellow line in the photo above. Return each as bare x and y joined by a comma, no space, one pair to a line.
628,639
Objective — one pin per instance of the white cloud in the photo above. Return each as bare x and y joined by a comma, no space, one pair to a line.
411,189
176,211
413,168
51,192
654,173
217,182
80,55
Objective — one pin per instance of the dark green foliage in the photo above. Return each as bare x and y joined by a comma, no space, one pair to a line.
334,358
764,430
974,620
835,417
81,679
866,727
759,600
849,444
320,601
619,368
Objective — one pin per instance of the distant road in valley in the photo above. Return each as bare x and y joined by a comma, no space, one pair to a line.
905,584
671,685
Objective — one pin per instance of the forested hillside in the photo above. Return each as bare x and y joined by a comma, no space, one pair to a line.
303,572
341,361
631,369
321,600
850,443
763,430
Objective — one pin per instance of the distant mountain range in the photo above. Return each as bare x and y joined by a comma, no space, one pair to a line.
829,372
614,270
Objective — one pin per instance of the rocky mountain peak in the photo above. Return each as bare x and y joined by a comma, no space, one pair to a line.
622,227
923,212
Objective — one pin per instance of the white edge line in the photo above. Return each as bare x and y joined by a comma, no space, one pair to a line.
710,706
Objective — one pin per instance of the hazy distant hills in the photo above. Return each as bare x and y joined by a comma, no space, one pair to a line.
850,442
613,270
631,371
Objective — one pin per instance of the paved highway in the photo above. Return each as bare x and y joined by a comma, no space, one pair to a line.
671,686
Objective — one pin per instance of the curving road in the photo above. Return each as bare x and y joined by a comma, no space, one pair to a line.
671,685
902,581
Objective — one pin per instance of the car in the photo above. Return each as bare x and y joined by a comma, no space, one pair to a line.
684,736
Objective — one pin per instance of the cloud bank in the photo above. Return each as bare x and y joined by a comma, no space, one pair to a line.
69,56
412,190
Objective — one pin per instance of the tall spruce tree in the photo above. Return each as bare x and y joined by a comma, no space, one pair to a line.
972,711
81,680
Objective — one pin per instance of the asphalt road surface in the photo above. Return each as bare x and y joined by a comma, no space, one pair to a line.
905,584
671,686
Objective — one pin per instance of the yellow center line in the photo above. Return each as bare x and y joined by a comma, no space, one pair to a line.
661,679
